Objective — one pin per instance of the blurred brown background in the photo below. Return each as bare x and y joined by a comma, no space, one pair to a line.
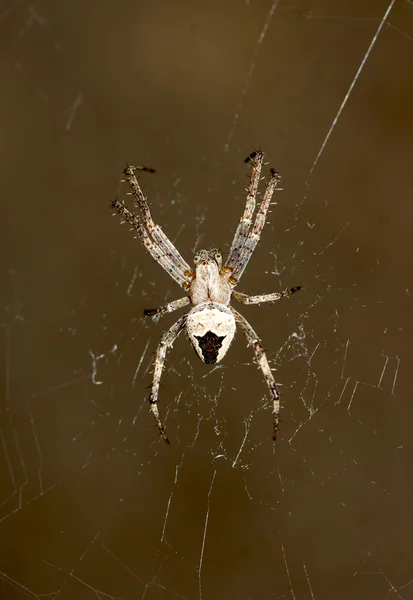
93,503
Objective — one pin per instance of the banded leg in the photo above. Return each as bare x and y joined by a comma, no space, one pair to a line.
245,299
154,230
255,233
166,342
156,313
255,343
142,168
154,249
244,225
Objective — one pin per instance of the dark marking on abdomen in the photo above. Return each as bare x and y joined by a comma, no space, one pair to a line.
210,344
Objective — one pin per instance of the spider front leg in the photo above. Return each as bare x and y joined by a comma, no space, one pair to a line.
157,253
254,233
156,313
162,240
244,226
166,342
245,299
255,343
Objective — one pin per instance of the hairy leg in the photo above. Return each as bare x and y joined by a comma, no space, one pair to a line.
166,342
245,299
244,225
154,250
255,232
255,343
154,230
156,313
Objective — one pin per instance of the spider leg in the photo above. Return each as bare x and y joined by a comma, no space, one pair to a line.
245,299
255,343
255,232
154,250
166,342
142,168
244,226
154,230
156,313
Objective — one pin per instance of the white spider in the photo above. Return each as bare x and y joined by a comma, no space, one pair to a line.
211,323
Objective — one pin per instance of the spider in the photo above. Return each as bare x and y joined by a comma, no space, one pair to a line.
210,324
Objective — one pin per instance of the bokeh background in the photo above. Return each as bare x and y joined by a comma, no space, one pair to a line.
93,503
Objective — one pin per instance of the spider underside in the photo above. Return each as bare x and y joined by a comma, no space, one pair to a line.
211,322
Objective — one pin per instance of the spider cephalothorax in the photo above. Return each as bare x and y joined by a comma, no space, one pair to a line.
211,323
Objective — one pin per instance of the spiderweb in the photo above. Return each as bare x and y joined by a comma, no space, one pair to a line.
93,503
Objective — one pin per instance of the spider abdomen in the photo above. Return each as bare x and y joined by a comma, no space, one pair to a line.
211,329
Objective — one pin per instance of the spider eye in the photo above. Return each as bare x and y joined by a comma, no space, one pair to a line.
210,344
